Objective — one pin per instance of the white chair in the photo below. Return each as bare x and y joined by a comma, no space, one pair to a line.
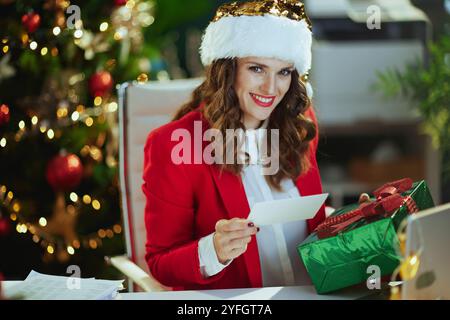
142,108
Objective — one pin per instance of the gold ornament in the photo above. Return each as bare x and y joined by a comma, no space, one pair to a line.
142,78
128,21
92,44
291,9
408,267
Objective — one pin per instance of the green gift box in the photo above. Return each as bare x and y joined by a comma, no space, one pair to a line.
342,260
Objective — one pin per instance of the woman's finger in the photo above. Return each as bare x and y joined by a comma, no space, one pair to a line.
231,235
236,224
238,243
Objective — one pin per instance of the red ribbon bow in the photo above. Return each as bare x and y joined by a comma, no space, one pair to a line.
388,199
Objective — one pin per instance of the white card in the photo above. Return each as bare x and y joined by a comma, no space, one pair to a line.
286,210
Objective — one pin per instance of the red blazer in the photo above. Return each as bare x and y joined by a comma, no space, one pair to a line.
184,202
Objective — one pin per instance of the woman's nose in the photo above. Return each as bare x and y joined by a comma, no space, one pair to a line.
268,87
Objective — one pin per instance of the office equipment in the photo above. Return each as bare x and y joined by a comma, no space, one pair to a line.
428,233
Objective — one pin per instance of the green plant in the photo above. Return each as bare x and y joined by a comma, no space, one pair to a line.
428,88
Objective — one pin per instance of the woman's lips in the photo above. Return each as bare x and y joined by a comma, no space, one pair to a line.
263,101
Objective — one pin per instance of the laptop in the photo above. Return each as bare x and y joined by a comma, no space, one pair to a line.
429,231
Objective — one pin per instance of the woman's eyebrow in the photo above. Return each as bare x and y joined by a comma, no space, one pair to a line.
291,67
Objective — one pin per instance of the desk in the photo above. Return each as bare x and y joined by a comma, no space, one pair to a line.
269,293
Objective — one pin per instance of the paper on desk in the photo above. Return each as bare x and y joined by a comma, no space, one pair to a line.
286,210
38,286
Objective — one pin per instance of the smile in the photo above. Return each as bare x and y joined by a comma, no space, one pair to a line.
263,101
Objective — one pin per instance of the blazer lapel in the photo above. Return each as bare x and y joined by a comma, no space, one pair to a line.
233,195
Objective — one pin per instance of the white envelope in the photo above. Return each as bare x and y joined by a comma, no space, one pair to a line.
286,210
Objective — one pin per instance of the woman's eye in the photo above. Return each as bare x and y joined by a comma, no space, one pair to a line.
285,72
256,69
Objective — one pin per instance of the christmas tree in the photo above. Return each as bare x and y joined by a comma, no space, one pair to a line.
59,64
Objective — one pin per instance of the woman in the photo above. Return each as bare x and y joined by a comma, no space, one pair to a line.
198,234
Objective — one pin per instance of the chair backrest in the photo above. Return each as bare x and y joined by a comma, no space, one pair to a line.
142,108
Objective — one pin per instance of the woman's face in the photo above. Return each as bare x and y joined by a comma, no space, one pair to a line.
260,85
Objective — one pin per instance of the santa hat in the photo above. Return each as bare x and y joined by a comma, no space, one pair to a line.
266,28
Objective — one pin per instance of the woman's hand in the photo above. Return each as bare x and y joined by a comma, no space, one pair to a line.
232,237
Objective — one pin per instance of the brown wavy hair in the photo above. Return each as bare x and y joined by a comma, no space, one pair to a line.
221,110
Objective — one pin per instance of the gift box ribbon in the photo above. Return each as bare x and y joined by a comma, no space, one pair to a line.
388,199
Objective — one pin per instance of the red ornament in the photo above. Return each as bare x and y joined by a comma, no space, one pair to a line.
4,114
64,172
5,227
100,83
120,3
31,21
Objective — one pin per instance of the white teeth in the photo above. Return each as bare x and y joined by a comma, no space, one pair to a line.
263,100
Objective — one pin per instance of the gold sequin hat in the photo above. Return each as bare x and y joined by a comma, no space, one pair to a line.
266,28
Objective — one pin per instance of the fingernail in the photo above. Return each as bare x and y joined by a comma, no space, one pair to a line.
257,229
251,224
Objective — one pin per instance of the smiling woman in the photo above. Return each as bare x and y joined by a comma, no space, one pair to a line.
260,85
198,234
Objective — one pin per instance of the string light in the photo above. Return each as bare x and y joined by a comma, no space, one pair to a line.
54,52
98,101
89,121
43,237
73,196
21,125
86,199
93,244
44,51
62,112
101,233
42,222
130,4
78,34
33,45
34,120
21,228
24,38
3,142
5,49
75,116
16,207
103,26
56,31
50,134
50,249
117,228
112,107
70,250
96,205
76,244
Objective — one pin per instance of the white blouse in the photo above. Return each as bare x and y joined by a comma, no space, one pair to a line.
277,244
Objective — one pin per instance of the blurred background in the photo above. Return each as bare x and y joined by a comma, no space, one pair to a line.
381,80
